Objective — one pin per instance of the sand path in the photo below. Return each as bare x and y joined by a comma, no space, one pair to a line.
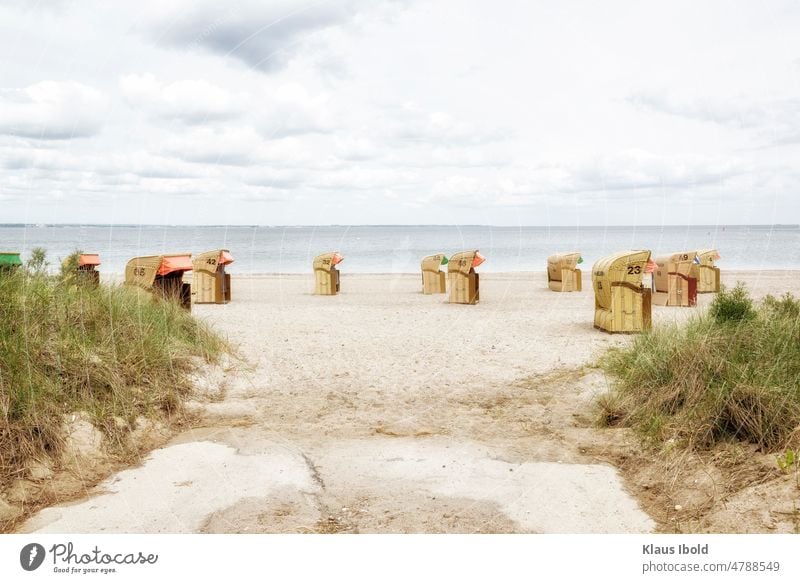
383,410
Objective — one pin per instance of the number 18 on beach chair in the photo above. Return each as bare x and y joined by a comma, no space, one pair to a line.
621,303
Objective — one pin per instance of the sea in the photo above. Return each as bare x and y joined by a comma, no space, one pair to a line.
398,249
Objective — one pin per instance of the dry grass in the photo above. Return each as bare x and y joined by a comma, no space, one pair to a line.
731,374
67,346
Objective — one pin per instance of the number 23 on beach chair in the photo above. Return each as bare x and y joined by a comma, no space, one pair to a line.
621,303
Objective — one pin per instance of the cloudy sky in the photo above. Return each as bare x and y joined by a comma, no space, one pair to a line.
510,112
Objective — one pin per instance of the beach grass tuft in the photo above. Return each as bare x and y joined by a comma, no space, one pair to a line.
732,373
68,346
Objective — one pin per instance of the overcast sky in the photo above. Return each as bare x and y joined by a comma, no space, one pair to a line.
399,112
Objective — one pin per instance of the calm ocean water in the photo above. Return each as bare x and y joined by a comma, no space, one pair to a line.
398,249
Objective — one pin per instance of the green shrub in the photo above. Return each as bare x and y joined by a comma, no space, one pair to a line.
708,381
37,264
69,266
732,306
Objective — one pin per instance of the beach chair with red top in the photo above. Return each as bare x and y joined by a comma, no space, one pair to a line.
326,276
464,281
87,268
162,275
210,283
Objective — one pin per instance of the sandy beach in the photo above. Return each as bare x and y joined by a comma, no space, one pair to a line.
385,410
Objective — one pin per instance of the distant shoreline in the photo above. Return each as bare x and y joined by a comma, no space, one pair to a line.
787,226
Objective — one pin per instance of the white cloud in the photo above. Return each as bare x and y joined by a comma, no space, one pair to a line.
274,178
290,109
773,119
64,163
234,146
732,111
277,110
414,124
619,175
190,100
52,110
355,148
363,178
642,172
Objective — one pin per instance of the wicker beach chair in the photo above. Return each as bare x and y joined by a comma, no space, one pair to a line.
708,274
326,276
162,275
621,303
433,278
464,281
675,279
210,283
563,274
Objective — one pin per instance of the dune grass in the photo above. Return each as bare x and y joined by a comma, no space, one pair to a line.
732,373
66,346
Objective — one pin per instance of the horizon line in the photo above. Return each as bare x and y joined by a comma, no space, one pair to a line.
41,225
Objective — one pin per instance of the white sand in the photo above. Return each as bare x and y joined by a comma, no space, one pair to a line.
384,410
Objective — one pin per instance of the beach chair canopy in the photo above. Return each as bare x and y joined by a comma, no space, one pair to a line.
170,263
559,261
433,262
211,260
680,262
88,260
677,257
9,258
143,270
625,268
464,261
707,256
327,260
